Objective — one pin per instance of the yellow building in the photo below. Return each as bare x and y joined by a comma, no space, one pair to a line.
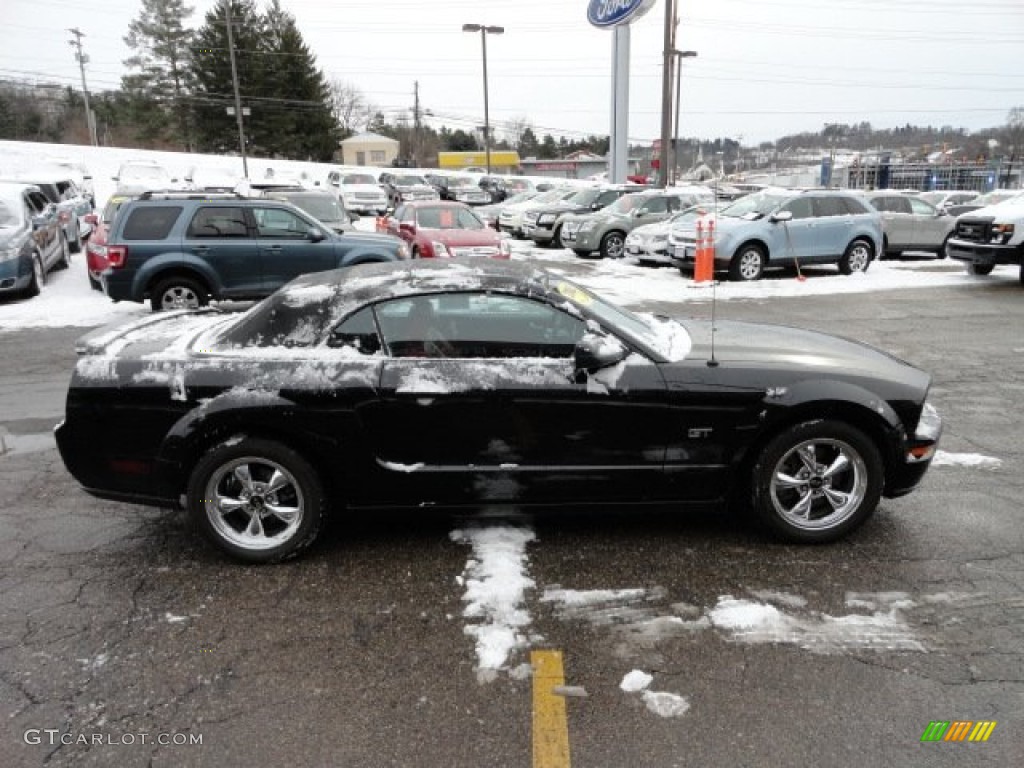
502,161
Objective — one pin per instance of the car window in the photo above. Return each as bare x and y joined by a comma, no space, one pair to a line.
150,222
227,221
921,208
472,325
469,220
607,198
893,204
800,207
855,205
358,331
829,206
280,224
37,202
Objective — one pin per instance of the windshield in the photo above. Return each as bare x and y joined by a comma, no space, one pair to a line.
933,197
996,196
625,204
409,181
756,205
552,195
358,178
320,207
447,217
455,181
113,206
583,197
517,184
665,337
7,215
522,197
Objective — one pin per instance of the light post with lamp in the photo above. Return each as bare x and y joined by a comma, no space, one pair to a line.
679,55
484,32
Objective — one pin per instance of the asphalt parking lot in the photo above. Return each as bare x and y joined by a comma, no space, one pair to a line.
119,628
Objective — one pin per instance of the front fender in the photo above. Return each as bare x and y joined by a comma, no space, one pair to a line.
175,262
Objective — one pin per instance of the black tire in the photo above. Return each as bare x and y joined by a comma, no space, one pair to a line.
414,253
941,253
979,269
556,238
582,254
64,261
75,244
95,284
1022,274
857,257
800,508
747,263
613,245
178,293
38,279
247,529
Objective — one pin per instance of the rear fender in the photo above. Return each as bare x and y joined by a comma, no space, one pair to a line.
153,270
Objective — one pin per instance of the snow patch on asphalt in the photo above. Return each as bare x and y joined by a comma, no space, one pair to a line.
972,460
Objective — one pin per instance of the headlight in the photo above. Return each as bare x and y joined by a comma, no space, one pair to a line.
546,218
441,250
659,239
1002,233
402,251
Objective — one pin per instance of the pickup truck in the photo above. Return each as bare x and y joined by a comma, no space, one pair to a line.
990,236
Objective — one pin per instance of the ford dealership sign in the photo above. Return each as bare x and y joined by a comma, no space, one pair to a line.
612,13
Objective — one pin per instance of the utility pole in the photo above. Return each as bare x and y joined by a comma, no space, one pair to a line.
416,125
234,84
90,119
666,92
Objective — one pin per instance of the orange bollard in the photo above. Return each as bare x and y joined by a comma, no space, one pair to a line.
704,267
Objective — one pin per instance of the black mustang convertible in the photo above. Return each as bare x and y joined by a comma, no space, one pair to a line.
480,383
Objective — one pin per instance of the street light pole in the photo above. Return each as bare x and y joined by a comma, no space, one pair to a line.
90,118
484,31
680,55
234,85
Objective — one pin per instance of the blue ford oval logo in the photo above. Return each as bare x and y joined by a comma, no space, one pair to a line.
611,13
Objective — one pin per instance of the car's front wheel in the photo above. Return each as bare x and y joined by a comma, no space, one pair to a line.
64,260
857,257
817,481
257,500
38,277
613,245
747,264
178,293
979,269
941,253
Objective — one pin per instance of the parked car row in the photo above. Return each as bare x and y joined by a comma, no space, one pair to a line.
32,239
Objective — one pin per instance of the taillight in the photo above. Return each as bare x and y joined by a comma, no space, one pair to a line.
117,255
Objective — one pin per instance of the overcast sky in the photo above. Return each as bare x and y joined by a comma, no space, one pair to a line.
764,69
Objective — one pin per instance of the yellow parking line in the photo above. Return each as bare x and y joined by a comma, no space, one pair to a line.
550,726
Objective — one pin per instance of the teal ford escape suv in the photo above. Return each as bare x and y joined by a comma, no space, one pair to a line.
180,251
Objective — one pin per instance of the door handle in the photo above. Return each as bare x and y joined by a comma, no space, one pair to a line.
202,248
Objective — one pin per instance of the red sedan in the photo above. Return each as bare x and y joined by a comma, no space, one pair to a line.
445,230
96,247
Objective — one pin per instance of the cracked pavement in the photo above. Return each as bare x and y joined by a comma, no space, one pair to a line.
117,620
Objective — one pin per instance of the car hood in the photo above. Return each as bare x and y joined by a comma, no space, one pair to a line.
775,348
374,188
658,228
559,208
1004,211
461,237
415,187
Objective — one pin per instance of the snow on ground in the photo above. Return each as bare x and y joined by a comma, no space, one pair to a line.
496,581
973,460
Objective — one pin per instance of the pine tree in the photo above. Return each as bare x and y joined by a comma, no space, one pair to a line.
298,123
160,87
216,129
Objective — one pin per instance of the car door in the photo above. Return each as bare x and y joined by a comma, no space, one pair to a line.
798,235
45,227
897,220
930,225
480,402
833,227
219,235
287,246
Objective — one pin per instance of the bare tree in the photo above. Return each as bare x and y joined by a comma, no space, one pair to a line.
514,130
349,106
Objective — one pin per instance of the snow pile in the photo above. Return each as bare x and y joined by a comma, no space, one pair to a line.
973,460
660,703
636,681
495,583
885,629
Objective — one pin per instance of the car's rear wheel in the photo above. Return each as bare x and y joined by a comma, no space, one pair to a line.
941,253
747,264
817,481
857,257
178,293
257,500
979,269
38,278
613,245
556,238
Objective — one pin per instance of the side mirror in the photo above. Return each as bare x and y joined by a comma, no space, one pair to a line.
594,352
314,234
782,216
639,213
